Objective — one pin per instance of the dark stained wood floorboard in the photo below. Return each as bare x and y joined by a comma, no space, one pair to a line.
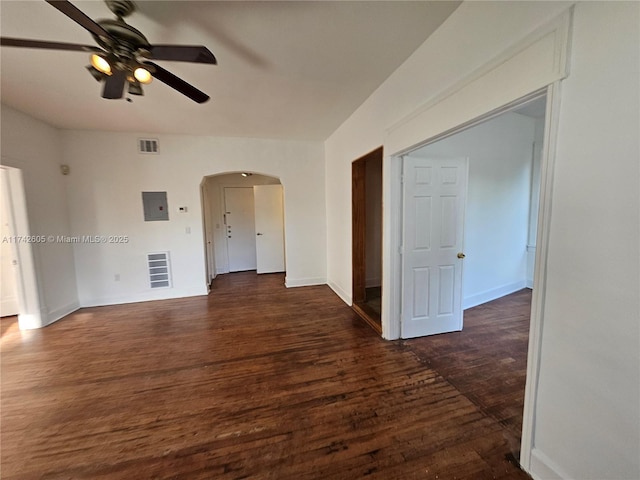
487,360
254,381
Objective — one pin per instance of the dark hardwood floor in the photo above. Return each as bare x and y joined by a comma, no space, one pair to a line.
487,360
253,381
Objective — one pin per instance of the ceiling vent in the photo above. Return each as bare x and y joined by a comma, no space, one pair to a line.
148,145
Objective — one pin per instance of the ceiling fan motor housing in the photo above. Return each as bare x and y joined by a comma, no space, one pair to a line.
121,8
128,39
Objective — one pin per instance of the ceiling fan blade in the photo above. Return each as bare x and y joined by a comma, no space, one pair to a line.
79,17
114,85
20,42
177,83
183,53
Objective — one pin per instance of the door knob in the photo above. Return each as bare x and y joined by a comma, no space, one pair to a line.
461,255
258,234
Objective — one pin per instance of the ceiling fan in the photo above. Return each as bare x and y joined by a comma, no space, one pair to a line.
124,57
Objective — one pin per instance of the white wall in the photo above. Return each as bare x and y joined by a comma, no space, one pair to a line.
215,186
35,148
105,185
498,196
587,410
472,36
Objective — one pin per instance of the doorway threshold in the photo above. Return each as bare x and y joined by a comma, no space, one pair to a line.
369,315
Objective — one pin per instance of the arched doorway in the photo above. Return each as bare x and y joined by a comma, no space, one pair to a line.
243,220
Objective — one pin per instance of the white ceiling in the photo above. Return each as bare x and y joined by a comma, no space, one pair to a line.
292,69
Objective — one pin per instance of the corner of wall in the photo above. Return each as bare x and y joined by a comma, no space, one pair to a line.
543,468
341,293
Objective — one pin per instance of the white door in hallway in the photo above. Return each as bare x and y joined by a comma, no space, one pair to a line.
8,273
434,192
240,228
269,216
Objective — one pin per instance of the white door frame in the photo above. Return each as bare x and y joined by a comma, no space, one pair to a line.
391,322
217,214
30,315
207,231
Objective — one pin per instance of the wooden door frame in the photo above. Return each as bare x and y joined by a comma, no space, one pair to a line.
358,235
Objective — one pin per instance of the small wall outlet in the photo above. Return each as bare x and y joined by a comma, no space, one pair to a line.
187,229
116,277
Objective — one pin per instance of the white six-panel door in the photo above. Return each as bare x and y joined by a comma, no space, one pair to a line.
434,192
269,215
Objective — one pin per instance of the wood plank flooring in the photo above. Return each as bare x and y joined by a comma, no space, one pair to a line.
254,381
487,360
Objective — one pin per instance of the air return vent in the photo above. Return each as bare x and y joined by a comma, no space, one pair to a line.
159,270
148,145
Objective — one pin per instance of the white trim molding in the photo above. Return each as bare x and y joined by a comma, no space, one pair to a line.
543,468
492,294
536,61
304,282
159,294
61,312
552,116
341,293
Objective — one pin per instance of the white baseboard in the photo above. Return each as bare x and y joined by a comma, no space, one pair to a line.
9,306
543,468
341,293
304,282
58,313
165,294
30,322
492,294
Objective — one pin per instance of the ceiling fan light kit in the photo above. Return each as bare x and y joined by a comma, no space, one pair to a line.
124,54
142,75
100,63
95,73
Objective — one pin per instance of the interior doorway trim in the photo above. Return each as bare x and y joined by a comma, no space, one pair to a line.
31,314
391,323
215,229
359,237
392,314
